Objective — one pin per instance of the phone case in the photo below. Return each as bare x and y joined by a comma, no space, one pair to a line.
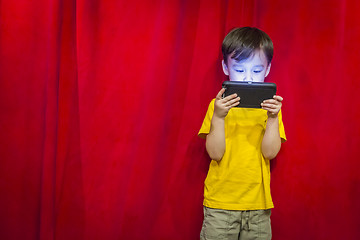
251,94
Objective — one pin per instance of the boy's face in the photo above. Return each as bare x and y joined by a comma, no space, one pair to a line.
253,69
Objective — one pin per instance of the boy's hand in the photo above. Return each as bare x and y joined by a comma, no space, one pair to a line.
273,106
223,105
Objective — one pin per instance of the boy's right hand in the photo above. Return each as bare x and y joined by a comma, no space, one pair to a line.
223,105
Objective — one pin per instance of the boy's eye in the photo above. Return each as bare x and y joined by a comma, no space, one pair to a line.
257,71
239,70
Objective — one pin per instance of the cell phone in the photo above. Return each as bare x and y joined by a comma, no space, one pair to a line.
251,94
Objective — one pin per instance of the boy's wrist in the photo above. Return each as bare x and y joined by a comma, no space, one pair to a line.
273,118
217,120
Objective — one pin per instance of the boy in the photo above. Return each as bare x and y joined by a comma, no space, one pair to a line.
241,142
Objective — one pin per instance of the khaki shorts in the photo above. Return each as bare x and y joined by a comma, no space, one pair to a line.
239,225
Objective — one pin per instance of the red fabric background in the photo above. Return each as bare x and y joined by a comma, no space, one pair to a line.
101,101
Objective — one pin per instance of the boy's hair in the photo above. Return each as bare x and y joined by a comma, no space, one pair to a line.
241,43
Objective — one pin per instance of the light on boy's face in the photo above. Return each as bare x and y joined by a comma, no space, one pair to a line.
253,69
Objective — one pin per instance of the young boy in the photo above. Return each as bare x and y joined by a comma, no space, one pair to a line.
241,142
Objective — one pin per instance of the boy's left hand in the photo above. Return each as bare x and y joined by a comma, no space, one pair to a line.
273,106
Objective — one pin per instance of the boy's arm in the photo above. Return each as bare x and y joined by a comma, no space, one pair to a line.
215,140
271,142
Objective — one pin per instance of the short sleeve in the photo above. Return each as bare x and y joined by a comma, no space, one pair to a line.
281,128
205,127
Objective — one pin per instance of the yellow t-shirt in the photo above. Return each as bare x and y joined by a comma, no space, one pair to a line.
241,179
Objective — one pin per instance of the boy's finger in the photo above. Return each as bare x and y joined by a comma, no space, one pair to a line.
220,93
278,98
268,105
235,100
270,101
230,97
234,104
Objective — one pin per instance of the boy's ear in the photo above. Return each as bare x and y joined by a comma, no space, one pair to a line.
225,68
268,70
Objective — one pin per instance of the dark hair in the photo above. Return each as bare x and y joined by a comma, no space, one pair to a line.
241,43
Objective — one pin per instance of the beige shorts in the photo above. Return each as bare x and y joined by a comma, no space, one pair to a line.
238,225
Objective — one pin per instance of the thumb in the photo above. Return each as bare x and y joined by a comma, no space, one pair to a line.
220,93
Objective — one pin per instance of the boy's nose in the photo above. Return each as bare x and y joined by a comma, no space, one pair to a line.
248,77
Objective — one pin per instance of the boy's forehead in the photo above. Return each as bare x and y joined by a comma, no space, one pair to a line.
257,57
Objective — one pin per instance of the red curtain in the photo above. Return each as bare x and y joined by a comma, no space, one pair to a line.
101,101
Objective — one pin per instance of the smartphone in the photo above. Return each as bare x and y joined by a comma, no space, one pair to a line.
251,94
